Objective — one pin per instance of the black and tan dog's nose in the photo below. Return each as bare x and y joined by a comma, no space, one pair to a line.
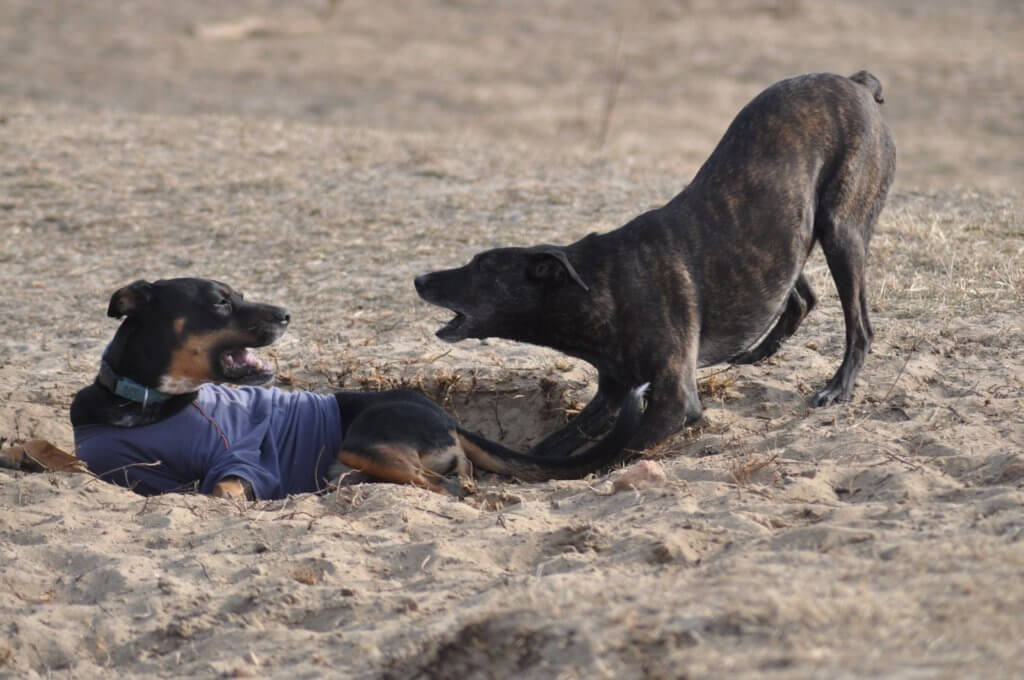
420,281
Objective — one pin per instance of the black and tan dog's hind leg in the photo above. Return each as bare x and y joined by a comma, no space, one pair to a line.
402,437
401,463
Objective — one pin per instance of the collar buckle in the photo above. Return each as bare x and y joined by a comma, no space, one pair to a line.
126,388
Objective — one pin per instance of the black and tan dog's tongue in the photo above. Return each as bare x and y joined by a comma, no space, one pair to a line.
243,362
248,358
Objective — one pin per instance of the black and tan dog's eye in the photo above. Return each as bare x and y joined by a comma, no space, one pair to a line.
223,305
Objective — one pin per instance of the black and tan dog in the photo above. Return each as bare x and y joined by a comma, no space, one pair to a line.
713,276
156,419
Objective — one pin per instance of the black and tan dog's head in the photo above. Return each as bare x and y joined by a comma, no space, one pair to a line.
180,333
504,292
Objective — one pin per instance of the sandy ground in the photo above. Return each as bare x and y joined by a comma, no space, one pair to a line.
320,155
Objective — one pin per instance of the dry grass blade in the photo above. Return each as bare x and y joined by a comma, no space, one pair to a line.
744,471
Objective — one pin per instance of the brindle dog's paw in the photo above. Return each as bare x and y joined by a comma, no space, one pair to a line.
827,397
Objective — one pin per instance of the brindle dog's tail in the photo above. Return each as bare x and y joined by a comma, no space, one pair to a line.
869,81
494,457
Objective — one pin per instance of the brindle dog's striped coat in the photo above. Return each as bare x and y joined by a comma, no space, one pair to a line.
714,275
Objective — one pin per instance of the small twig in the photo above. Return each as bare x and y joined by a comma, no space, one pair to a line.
742,473
712,374
432,512
442,355
297,513
96,477
145,506
319,457
899,374
497,418
897,457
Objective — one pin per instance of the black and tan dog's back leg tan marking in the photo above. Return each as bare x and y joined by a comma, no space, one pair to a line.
402,437
401,463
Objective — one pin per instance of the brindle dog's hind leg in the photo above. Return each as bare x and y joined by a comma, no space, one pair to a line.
844,220
846,254
594,420
800,302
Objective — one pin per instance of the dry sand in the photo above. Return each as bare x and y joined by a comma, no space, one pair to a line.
320,156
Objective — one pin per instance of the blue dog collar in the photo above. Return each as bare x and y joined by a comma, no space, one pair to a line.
127,388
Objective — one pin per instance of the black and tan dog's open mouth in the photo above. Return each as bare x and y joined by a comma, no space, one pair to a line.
240,365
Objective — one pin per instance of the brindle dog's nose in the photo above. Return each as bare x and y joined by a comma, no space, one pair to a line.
282,316
420,281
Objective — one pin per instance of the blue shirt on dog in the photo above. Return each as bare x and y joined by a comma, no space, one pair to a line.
280,442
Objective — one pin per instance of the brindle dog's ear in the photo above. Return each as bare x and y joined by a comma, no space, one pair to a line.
132,299
553,264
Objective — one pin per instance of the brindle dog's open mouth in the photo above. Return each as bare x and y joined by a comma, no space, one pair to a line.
454,330
241,366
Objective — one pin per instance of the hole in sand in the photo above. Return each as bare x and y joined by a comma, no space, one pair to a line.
516,412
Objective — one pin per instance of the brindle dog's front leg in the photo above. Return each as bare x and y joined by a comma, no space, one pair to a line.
672,404
589,424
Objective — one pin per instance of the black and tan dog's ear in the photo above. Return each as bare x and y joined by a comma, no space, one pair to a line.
552,264
132,299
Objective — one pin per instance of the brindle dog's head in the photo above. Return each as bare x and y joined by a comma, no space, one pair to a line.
180,333
504,293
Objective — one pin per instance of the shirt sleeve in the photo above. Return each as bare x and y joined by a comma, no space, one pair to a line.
243,462
237,422
127,457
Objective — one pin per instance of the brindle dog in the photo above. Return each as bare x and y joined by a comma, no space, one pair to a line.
713,276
